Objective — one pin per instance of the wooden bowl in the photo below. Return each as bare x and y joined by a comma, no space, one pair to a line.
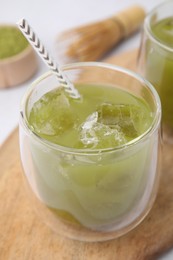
18,68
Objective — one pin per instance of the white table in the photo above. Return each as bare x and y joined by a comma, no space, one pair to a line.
48,18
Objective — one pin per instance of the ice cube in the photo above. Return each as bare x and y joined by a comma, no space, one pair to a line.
122,117
111,125
87,134
52,115
94,134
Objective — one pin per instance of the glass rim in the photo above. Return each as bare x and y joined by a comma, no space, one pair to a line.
148,30
142,137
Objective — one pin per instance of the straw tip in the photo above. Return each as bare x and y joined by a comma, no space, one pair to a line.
21,22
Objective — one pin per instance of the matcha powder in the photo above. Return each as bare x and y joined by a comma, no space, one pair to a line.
12,41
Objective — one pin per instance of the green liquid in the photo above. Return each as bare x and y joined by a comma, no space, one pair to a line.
163,31
106,117
159,66
93,190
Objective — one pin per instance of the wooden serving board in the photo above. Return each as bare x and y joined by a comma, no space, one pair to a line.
24,237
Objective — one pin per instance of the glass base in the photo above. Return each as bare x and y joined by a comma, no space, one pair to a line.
74,230
78,232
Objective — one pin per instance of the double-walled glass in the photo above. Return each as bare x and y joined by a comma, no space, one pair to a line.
155,61
85,194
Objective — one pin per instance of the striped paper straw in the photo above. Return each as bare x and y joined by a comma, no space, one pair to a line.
41,50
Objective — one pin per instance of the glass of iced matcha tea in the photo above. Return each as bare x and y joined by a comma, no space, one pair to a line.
156,59
91,163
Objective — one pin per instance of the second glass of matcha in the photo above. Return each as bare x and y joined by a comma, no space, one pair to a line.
156,59
91,164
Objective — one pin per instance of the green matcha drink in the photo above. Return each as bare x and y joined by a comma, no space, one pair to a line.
106,117
158,60
92,172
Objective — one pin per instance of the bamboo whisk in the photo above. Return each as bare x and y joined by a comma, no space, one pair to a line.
92,41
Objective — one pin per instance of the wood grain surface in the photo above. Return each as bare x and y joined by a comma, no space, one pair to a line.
24,237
